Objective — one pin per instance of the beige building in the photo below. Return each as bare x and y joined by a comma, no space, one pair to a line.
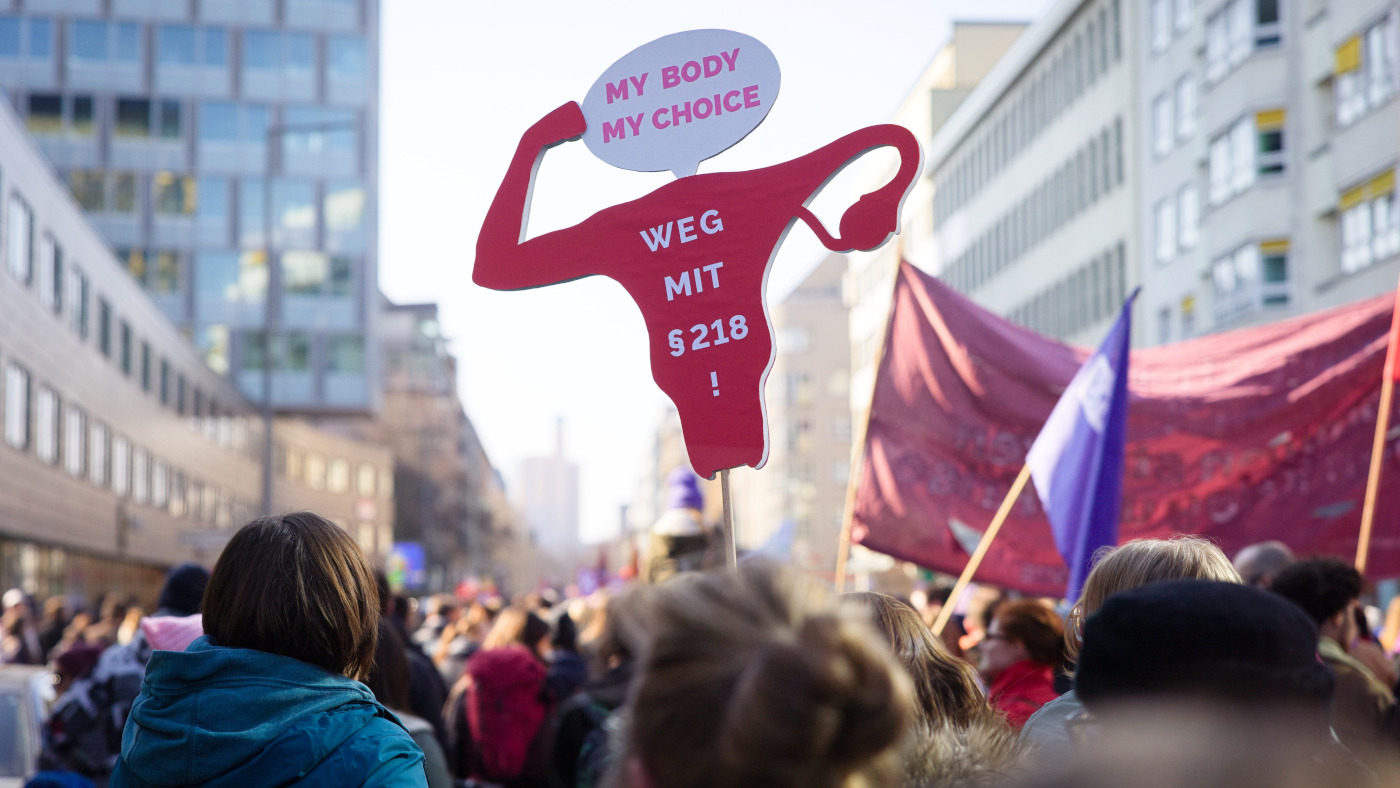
797,499
968,56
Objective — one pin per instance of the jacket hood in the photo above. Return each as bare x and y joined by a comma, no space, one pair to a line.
214,716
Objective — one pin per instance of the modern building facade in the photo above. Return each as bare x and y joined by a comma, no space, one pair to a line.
969,55
205,138
1234,158
122,452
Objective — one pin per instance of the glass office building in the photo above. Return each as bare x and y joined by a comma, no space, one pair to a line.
207,137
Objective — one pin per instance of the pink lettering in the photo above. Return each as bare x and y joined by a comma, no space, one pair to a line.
713,65
618,91
670,77
635,123
733,94
719,106
613,131
751,96
690,71
657,122
639,83
730,57
703,108
678,111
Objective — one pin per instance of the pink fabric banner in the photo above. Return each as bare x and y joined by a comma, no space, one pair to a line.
1254,434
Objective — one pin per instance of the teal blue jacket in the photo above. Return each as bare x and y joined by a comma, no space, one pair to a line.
238,718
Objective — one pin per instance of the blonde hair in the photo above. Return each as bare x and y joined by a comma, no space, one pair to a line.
755,677
1139,563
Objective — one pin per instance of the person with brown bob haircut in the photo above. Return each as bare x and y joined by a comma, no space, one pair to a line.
271,695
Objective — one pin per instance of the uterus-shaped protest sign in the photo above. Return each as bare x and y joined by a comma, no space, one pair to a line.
695,253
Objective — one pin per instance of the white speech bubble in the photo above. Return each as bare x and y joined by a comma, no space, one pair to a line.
672,103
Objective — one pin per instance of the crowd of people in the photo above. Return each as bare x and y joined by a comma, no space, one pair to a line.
292,663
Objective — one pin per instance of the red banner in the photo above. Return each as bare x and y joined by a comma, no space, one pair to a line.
1260,433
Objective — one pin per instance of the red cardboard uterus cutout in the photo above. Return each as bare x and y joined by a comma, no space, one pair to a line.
695,253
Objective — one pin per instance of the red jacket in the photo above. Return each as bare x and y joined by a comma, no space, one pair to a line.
1020,691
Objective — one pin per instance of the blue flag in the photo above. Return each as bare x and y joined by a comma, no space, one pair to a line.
1077,460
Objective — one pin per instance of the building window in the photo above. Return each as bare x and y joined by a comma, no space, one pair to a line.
293,212
364,481
1188,214
95,42
104,327
1185,14
346,57
1370,223
315,471
315,273
89,188
175,45
121,465
156,271
1165,213
126,355
78,301
1163,130
1251,277
97,455
21,39
45,115
46,425
1252,148
346,355
1185,107
133,118
140,475
74,438
160,484
1164,325
50,274
1366,68
145,366
16,406
338,476
173,195
1236,30
20,249
293,54
1161,22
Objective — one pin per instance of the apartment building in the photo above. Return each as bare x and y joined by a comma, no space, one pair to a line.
228,150
122,452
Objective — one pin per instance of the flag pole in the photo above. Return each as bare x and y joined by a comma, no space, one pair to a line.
981,551
1373,477
848,512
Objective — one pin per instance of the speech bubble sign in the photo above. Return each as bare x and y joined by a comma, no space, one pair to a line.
676,101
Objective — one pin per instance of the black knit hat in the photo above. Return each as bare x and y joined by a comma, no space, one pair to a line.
184,590
1220,642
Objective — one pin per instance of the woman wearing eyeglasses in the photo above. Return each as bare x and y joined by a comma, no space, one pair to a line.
1021,651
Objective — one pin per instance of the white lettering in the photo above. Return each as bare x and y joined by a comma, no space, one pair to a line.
713,268
674,288
686,227
712,227
658,240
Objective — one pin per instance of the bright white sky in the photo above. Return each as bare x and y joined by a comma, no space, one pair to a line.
461,81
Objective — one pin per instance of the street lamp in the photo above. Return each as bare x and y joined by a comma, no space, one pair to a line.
276,132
